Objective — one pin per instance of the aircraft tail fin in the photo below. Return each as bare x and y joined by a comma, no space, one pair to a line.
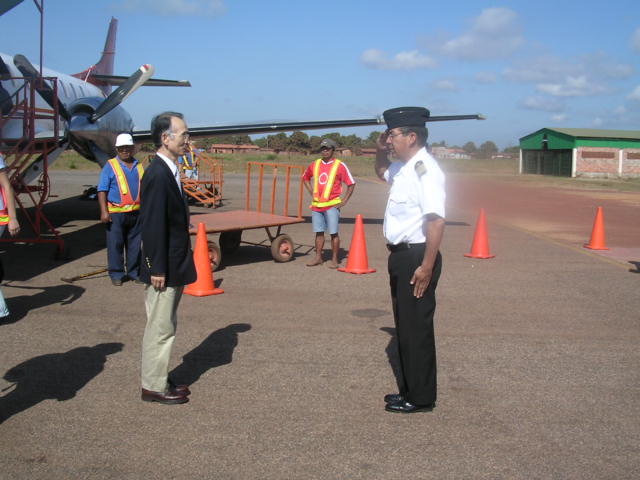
105,64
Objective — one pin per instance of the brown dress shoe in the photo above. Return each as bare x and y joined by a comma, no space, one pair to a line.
179,389
169,398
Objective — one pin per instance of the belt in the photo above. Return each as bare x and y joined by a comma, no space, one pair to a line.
404,246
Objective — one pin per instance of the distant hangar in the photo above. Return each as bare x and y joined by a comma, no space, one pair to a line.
581,152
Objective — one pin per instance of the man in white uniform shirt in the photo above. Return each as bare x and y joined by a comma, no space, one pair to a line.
413,228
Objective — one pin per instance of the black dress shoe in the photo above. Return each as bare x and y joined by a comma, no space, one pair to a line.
169,398
179,389
408,407
393,398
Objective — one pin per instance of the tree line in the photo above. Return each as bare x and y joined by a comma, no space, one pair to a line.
299,141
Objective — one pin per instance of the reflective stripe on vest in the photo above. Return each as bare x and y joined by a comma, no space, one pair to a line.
4,213
185,162
323,200
127,203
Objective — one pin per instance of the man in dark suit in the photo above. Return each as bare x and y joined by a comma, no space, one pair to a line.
167,261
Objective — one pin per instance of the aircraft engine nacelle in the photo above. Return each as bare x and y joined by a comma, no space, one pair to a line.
95,140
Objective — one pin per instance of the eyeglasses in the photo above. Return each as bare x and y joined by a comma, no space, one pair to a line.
391,135
182,136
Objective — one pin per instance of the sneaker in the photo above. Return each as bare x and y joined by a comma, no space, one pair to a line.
116,283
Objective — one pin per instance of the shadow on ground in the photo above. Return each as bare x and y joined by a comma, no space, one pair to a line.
58,376
216,350
20,305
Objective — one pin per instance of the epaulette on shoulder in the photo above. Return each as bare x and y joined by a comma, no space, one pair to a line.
420,168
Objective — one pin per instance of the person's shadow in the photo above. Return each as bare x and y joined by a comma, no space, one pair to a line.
20,306
392,353
53,376
214,351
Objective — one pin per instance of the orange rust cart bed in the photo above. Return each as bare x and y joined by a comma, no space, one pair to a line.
232,223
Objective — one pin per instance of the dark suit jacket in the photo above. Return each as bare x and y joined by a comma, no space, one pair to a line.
166,244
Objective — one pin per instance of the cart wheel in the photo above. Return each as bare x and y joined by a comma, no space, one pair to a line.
230,241
282,248
215,255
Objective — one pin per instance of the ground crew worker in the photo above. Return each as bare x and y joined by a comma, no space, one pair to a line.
119,198
328,175
189,163
8,220
413,228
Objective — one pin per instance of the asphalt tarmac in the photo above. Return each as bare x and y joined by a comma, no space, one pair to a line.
538,359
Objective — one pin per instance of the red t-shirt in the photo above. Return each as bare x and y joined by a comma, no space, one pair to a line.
342,175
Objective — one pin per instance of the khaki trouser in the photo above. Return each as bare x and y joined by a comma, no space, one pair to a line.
162,320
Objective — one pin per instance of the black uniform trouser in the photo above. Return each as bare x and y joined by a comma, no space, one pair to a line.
414,326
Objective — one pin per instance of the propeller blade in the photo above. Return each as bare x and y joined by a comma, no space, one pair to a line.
130,85
23,64
6,5
145,135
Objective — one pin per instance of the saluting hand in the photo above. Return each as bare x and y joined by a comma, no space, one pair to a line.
420,281
381,142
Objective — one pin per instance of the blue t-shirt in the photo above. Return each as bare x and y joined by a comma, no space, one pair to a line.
108,182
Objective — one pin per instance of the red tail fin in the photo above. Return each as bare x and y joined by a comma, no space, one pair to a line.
105,64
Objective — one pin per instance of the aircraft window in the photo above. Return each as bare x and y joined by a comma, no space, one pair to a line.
81,90
73,90
64,90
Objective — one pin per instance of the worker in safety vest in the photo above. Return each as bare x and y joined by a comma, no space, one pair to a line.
323,179
189,163
119,198
8,220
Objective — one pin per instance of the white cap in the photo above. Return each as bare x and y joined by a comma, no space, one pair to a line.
123,140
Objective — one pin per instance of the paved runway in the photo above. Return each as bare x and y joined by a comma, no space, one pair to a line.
539,366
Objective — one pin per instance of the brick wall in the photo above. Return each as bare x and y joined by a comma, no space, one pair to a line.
597,162
631,162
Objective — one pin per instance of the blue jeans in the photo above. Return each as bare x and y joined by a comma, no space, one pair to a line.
123,237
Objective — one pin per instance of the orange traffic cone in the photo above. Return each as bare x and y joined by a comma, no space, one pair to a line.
204,285
357,261
597,234
480,247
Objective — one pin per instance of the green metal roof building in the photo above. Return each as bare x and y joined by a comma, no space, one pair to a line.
575,152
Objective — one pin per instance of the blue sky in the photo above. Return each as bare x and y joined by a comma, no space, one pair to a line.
525,65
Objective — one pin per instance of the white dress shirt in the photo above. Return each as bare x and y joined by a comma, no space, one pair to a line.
417,189
174,169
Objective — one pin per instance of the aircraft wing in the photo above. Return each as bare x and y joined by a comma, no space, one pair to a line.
152,82
249,129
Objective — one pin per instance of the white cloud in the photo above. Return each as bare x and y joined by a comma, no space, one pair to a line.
620,110
635,39
486,77
572,87
597,122
176,7
545,104
495,33
553,69
411,60
445,85
559,118
635,95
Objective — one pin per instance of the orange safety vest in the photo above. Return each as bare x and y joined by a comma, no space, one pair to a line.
127,203
322,199
4,213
